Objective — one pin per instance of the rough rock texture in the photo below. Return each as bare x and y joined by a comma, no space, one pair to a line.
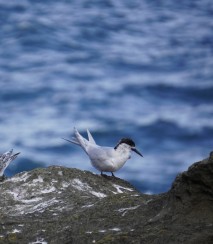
60,205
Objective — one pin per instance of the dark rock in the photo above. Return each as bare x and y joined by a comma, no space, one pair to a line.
61,205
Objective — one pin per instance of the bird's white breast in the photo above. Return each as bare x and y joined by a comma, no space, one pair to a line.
108,159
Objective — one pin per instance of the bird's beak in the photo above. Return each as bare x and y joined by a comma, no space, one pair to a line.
135,150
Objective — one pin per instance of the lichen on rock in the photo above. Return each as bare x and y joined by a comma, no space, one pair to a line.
63,205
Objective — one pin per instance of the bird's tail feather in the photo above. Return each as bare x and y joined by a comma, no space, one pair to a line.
5,159
15,156
90,137
72,141
81,140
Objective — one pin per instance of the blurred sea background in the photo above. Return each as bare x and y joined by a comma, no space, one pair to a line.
140,69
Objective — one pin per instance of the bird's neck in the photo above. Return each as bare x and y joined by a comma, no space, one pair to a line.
124,150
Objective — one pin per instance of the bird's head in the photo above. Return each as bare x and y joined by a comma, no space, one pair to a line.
130,143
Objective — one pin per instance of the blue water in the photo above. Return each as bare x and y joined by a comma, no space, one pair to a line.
142,69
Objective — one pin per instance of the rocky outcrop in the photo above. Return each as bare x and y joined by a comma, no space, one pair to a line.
62,205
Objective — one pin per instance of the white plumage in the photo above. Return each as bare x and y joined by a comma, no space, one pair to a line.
105,159
5,159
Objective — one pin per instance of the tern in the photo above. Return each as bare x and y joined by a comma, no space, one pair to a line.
105,159
5,160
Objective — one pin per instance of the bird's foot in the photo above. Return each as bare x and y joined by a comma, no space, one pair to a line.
2,178
107,176
104,175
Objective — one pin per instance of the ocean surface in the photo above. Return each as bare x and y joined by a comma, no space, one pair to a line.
140,69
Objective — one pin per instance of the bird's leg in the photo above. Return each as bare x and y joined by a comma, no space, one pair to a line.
113,174
2,178
104,175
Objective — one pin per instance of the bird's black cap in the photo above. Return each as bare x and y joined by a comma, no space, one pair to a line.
128,141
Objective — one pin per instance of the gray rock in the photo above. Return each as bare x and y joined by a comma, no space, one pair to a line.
60,205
